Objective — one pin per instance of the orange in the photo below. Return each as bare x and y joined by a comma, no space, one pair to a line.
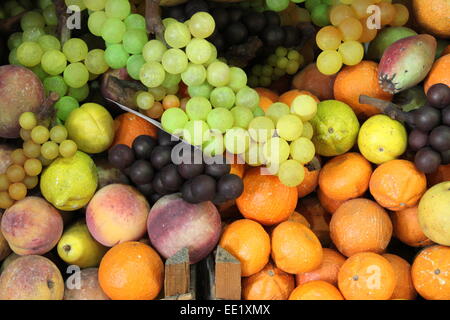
431,273
360,225
248,242
270,283
433,15
330,205
404,288
367,276
265,199
309,183
316,290
345,177
131,271
295,248
440,175
129,126
237,168
312,80
318,218
265,103
269,94
297,217
438,73
353,81
289,96
407,228
327,271
397,184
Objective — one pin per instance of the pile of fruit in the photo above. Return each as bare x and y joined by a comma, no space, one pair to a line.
310,139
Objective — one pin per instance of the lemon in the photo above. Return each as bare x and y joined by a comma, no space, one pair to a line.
69,183
335,128
382,139
91,127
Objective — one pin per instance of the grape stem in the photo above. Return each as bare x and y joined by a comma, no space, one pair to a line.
153,18
388,108
241,55
11,24
61,11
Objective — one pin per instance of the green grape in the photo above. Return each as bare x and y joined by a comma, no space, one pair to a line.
292,67
55,84
27,120
134,40
302,150
267,71
282,63
320,15
113,30
222,97
96,21
76,75
134,65
279,72
33,167
25,135
51,30
237,140
254,156
329,62
271,61
308,130
311,4
173,90
95,62
173,120
153,50
202,25
257,69
15,40
277,110
171,80
168,21
65,106
40,134
68,148
75,50
80,94
31,149
258,112
291,173
203,90
304,106
220,119
213,56
215,144
177,35
276,150
49,14
116,57
145,100
196,132
95,5
54,62
9,5
242,117
152,74
294,55
135,21
58,134
277,5
197,108
76,3
174,61
39,72
265,81
352,52
261,129
48,42
218,74
281,52
50,150
194,75
159,93
32,19
119,9
253,81
199,51
289,127
29,54
247,97
238,79
12,58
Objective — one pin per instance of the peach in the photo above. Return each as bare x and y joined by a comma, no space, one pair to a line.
5,250
5,157
312,80
117,213
174,224
9,259
31,278
89,287
32,226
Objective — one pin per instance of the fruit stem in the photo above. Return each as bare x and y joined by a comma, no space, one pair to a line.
314,165
8,25
153,17
128,84
67,248
240,55
63,31
388,108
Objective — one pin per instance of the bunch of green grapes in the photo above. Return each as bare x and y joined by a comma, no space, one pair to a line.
283,61
13,8
41,146
342,41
